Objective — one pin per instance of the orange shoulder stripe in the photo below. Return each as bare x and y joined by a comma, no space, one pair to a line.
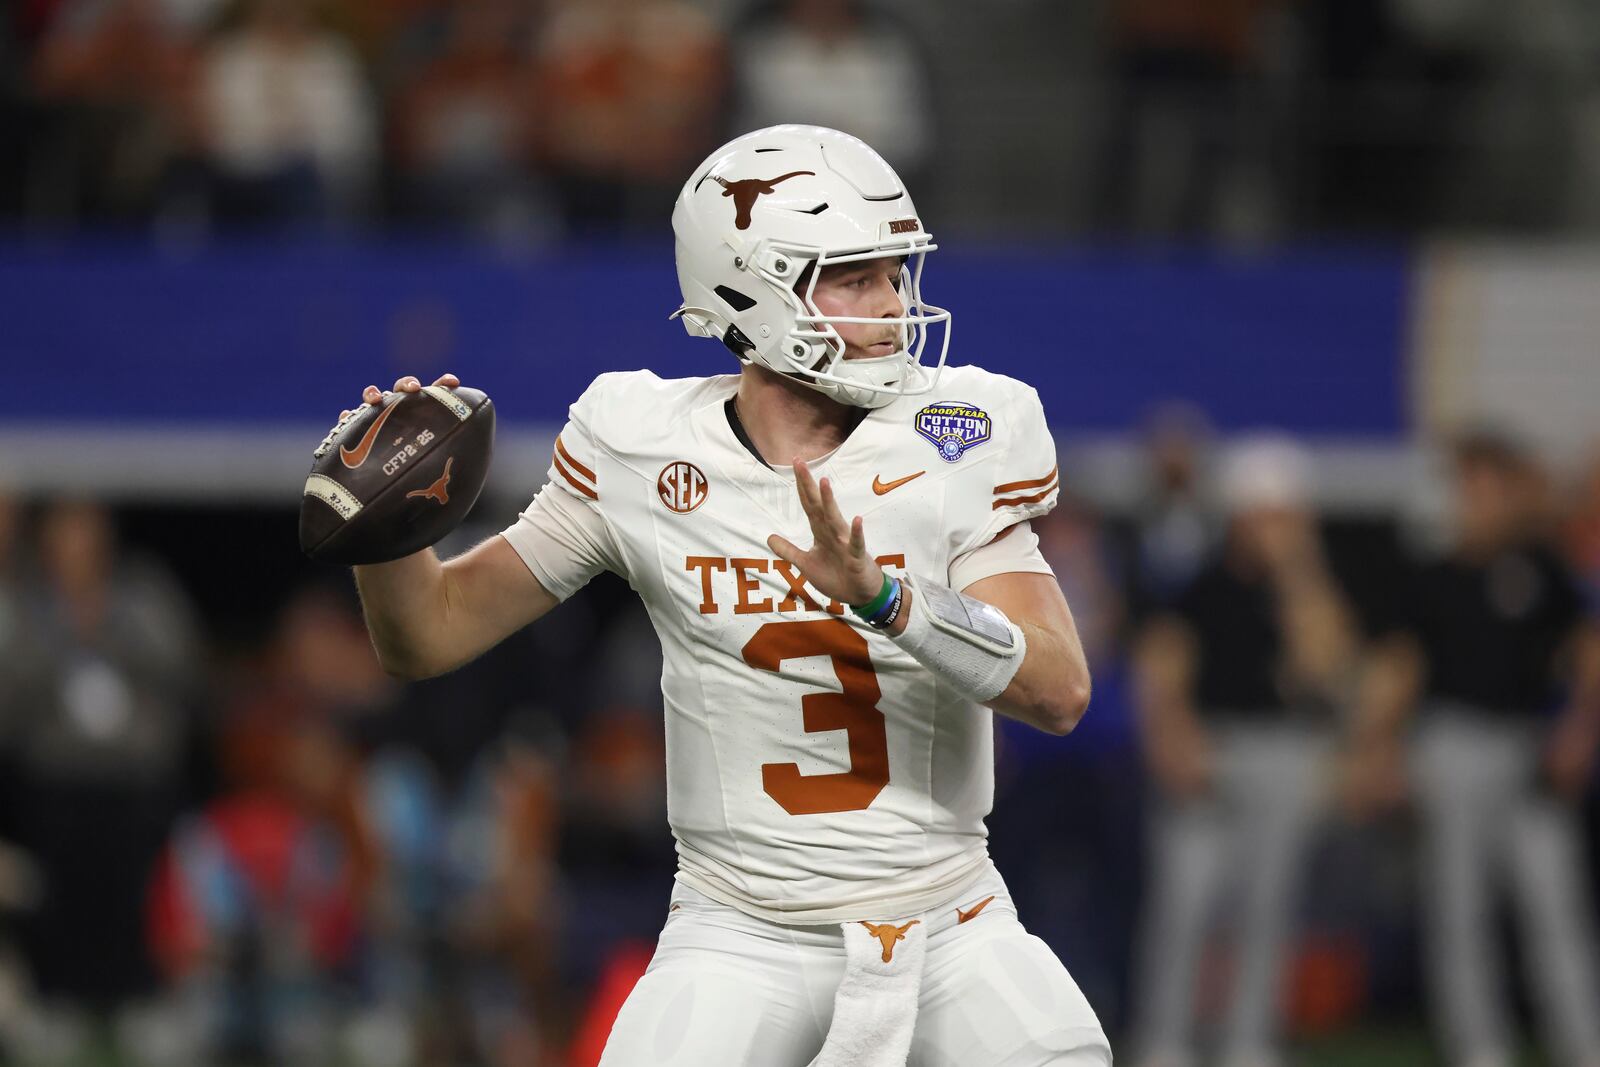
561,469
1033,484
1013,501
579,467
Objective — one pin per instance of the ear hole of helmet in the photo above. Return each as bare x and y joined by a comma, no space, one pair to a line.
734,298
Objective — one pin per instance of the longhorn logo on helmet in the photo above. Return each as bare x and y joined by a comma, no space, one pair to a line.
746,190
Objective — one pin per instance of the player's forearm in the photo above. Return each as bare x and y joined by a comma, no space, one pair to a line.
428,617
405,605
1051,688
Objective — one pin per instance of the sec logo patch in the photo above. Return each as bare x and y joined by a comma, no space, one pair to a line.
682,486
952,427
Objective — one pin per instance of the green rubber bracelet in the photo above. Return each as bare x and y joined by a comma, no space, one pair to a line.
868,610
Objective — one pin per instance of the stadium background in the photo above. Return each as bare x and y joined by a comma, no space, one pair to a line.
228,838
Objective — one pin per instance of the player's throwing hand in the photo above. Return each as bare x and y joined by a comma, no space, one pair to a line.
838,563
406,384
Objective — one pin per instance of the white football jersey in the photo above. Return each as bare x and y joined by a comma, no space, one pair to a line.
815,772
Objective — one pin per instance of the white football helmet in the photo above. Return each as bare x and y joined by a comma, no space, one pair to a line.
765,207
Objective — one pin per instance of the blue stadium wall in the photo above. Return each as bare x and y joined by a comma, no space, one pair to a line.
1309,341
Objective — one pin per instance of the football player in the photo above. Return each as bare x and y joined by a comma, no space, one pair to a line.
833,545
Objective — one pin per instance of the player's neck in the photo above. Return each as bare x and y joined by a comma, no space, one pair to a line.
786,419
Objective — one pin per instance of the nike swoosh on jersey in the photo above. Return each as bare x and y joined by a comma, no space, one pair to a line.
355,457
881,487
963,916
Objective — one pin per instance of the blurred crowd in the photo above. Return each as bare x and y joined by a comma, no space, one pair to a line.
513,117
1322,753
531,119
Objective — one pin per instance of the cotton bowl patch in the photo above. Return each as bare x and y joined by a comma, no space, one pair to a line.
953,427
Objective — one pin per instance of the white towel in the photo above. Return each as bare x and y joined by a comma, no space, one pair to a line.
875,1009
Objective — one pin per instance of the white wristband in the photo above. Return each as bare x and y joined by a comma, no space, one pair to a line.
966,643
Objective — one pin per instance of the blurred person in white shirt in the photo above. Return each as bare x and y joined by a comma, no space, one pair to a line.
838,63
288,117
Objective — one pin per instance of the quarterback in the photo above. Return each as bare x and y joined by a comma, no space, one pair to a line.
834,548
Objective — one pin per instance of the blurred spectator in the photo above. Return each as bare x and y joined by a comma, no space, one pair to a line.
631,89
97,733
1494,635
1380,120
505,922
250,911
19,877
14,631
115,81
14,113
845,64
1073,541
1174,525
254,912
288,121
1581,533
1240,684
616,863
1181,137
460,960
1079,905
466,123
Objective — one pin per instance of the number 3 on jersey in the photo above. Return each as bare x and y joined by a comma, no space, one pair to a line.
854,710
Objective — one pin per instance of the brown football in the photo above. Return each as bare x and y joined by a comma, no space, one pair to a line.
398,476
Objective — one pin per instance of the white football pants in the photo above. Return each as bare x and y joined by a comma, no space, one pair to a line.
729,990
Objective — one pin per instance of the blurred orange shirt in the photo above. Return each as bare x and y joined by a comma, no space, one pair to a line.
1223,27
631,87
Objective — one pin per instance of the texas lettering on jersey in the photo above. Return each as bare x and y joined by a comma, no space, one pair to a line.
816,773
794,597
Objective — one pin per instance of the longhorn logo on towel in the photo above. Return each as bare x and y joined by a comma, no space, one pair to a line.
889,933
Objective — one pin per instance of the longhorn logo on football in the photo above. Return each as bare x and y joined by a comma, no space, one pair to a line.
436,491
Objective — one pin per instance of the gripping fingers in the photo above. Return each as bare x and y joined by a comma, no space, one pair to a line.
407,383
410,383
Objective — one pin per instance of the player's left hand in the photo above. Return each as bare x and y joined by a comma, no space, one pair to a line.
837,564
